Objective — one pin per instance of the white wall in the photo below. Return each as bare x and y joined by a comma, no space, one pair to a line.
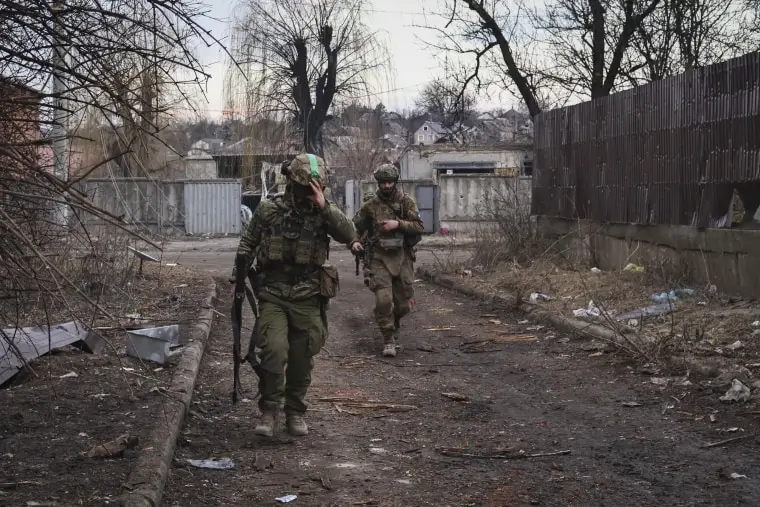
469,200
420,163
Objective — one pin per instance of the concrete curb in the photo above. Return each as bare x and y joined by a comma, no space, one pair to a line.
568,325
146,482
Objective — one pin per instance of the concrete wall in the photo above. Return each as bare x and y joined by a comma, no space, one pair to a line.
420,163
728,259
200,168
144,204
469,200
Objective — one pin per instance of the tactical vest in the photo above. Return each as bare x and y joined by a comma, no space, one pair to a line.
295,239
385,210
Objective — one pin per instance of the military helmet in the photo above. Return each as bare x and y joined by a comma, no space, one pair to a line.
386,172
306,167
368,196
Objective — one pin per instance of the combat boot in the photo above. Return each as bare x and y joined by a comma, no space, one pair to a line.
265,427
389,344
297,425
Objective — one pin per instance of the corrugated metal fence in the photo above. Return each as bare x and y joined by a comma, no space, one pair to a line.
212,207
670,152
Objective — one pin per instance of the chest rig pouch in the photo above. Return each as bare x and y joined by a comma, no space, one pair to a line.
297,239
389,240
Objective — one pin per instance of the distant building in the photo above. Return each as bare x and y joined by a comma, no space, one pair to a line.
429,133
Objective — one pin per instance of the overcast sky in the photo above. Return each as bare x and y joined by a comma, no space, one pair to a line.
413,63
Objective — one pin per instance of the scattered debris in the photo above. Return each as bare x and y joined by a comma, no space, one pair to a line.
425,348
477,345
648,311
738,476
260,464
213,463
673,295
596,271
660,381
735,346
70,374
496,322
20,346
456,396
342,410
153,344
441,328
591,311
286,499
143,257
737,392
633,268
114,448
632,404
499,454
537,296
133,321
348,402
378,450
594,346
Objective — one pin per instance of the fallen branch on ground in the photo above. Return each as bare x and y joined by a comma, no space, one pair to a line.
728,441
458,454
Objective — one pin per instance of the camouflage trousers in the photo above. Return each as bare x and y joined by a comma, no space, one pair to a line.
393,294
291,333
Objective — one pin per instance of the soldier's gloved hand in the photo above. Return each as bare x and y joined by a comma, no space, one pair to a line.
356,247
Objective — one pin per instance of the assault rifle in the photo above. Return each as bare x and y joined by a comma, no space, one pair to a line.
236,317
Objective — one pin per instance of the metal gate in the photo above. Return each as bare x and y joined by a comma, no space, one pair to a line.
212,207
427,204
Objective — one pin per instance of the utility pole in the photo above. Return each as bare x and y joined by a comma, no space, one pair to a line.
59,131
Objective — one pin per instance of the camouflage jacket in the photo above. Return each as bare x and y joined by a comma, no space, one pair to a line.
370,216
287,278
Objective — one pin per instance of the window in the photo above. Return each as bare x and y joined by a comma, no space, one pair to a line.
420,138
424,128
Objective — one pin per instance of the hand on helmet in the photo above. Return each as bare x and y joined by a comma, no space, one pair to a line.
316,195
357,247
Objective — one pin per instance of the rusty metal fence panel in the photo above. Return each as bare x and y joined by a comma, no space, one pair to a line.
212,207
670,152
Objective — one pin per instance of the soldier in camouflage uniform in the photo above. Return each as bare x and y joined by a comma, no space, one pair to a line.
289,237
393,226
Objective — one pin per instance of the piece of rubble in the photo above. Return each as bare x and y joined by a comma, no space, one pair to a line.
20,346
153,344
114,448
738,392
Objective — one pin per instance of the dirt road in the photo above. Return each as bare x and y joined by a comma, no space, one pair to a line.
468,419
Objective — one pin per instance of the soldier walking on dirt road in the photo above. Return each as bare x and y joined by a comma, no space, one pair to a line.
289,237
393,227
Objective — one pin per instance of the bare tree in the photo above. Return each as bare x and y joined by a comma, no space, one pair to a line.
447,102
363,149
684,34
58,61
590,48
302,57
